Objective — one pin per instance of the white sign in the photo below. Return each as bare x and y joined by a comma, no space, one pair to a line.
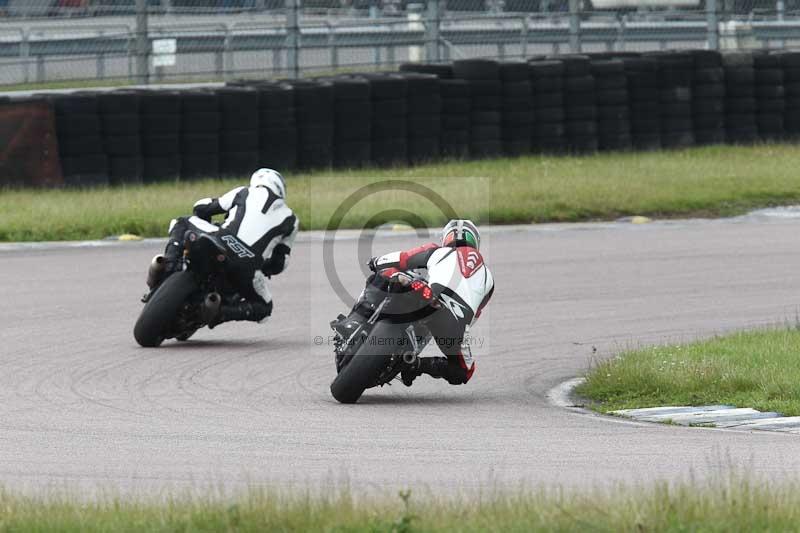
164,52
165,46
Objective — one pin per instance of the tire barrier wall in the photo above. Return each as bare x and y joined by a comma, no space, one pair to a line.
569,104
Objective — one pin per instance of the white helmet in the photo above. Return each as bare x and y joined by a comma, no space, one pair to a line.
461,233
271,179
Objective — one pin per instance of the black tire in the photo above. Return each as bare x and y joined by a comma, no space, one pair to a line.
240,164
125,170
154,322
513,71
547,85
771,106
476,69
737,59
275,96
387,86
740,91
546,69
365,366
78,125
118,102
456,106
709,76
197,122
200,166
676,95
581,113
161,168
454,89
550,114
197,102
769,77
160,102
122,146
200,144
707,92
611,83
439,70
547,100
612,98
740,76
119,124
167,124
85,170
770,92
75,104
161,145
579,84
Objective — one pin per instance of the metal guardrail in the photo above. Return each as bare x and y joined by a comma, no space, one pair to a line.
32,49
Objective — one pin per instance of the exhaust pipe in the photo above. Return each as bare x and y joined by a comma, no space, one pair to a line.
409,358
156,271
211,307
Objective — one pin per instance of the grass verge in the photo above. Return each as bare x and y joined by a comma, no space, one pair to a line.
711,181
758,369
729,506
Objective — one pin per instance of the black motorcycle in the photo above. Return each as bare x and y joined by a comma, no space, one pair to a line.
385,331
189,298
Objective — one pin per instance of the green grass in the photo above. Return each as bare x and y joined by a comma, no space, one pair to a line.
758,369
713,181
65,84
726,506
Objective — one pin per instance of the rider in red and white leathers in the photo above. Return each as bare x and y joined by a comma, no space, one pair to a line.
457,274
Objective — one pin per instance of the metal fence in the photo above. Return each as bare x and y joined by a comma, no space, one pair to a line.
149,41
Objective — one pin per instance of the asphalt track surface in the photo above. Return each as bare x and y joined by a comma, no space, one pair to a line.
83,407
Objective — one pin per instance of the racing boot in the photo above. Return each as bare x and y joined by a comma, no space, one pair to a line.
436,367
250,311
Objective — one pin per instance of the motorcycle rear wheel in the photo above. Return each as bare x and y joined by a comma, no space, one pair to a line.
158,314
365,367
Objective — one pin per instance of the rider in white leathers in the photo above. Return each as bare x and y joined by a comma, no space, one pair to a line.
457,274
259,230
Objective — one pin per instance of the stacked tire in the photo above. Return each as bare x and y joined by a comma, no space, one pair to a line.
277,127
121,125
456,108
314,111
740,101
790,64
675,79
200,135
708,97
770,96
547,88
80,139
486,130
161,134
239,144
644,102
442,71
580,105
613,116
517,108
388,94
424,117
352,139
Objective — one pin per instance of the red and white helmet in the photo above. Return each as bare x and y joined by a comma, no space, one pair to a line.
271,179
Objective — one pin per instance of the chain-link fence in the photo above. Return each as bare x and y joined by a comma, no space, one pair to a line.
152,41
